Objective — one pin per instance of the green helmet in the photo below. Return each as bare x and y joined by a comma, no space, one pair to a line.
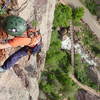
14,25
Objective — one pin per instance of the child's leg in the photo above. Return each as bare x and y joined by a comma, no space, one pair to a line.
10,62
14,58
36,49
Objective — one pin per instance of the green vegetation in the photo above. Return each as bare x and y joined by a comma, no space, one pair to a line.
55,81
92,6
34,23
81,72
78,14
91,43
89,40
63,14
2,11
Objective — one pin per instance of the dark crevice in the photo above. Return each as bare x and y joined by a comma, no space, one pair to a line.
22,75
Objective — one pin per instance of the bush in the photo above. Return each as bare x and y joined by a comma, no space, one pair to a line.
62,15
81,73
2,11
55,81
78,14
91,5
89,40
34,23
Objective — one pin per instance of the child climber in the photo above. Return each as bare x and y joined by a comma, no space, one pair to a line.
17,27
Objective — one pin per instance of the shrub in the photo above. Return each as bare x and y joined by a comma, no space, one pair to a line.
78,14
89,40
55,81
81,72
34,23
2,11
62,15
91,5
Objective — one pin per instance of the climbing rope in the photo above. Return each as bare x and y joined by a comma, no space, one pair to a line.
6,4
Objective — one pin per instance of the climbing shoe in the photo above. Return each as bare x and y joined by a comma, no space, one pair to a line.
2,70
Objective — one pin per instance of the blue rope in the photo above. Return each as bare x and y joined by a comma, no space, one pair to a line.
6,4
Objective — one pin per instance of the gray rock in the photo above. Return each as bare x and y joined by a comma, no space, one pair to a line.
11,84
83,95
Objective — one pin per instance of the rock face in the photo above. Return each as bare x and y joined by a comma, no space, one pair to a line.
20,83
66,44
82,95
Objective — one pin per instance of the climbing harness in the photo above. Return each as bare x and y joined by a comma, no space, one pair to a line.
32,35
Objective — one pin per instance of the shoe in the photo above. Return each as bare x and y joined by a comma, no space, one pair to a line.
2,70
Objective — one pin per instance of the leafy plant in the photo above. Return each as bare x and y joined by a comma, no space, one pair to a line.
34,23
91,5
78,14
55,81
2,11
81,73
89,40
62,15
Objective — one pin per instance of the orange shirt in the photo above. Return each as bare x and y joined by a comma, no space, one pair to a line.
19,41
24,41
